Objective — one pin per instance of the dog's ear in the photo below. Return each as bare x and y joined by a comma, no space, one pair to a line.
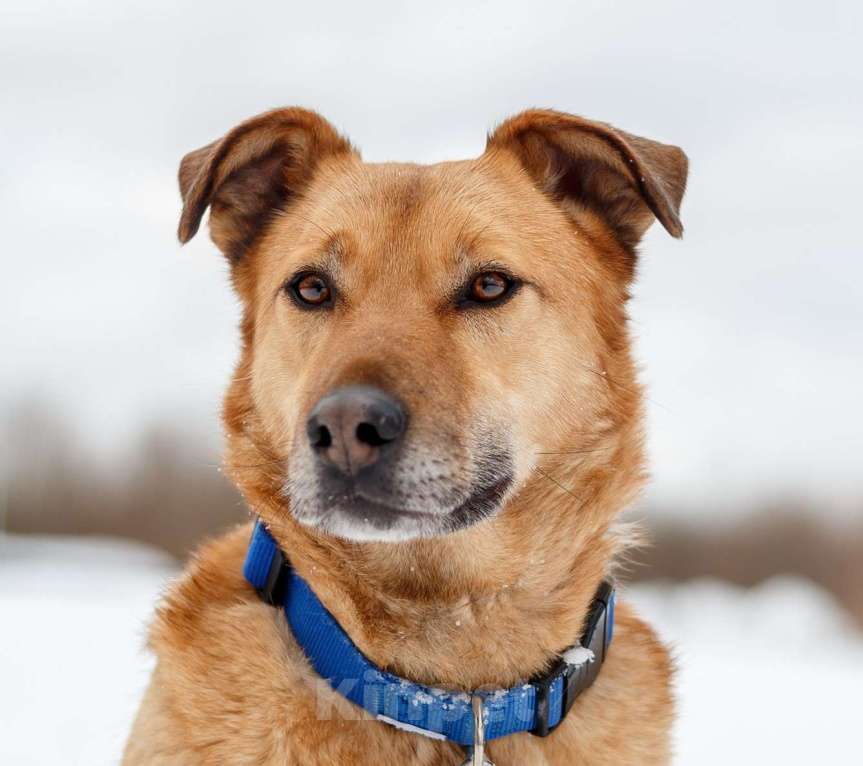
251,172
625,179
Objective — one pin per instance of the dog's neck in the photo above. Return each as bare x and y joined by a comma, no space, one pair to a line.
490,605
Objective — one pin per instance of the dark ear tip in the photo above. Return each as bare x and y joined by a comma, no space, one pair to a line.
674,227
186,230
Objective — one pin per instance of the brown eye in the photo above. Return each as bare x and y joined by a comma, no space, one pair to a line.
311,290
489,286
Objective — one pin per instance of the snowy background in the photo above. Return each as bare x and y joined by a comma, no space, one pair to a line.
115,345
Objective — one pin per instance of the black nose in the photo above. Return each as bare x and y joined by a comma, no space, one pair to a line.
349,427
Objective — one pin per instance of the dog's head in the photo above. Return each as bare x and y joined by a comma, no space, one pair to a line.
418,338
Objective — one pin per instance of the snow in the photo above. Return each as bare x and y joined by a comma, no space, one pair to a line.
71,647
771,675
421,698
768,675
577,655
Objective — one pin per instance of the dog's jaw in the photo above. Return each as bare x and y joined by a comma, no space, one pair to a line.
352,525
360,519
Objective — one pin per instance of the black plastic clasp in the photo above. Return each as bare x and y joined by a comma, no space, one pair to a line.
542,684
575,678
273,590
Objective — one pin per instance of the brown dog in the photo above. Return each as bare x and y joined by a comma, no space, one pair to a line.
437,415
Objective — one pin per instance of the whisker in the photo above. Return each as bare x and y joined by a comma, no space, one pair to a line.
605,376
280,462
479,234
326,232
556,482
467,220
253,467
577,452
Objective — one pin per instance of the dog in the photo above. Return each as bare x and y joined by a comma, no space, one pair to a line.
437,420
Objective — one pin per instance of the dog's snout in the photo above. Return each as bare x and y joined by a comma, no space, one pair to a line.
349,427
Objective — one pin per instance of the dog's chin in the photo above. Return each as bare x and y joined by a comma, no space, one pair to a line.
361,520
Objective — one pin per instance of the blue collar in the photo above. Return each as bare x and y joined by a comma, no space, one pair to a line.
537,706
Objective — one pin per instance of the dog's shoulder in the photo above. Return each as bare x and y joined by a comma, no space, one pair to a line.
213,631
211,584
225,662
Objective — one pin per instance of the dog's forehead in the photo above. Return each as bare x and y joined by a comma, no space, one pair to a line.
426,215
406,182
406,196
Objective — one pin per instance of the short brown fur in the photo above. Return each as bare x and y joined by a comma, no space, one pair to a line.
562,201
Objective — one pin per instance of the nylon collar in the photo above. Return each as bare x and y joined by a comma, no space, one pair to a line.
537,706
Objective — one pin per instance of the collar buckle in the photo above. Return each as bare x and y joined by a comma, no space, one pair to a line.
275,582
576,677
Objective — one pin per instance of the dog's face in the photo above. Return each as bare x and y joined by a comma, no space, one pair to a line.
417,337
420,297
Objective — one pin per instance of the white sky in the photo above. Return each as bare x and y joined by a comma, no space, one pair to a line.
749,329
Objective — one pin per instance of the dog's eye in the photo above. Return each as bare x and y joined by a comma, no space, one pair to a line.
489,287
310,290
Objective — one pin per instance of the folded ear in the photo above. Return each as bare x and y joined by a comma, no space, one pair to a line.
251,172
625,179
